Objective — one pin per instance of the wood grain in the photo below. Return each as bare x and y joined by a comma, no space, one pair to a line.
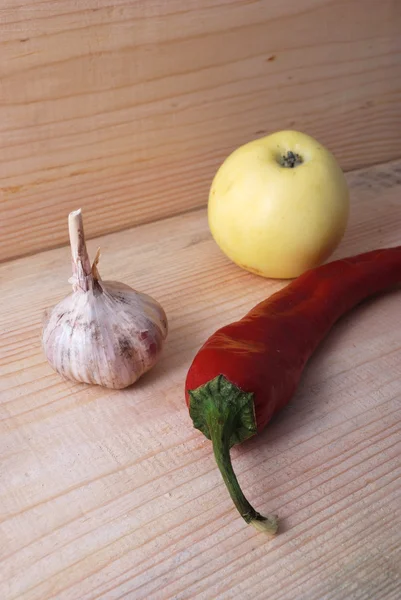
128,108
107,495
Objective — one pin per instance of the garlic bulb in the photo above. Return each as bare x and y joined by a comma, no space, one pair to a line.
104,332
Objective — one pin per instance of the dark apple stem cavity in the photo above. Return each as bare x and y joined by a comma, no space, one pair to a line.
225,414
290,160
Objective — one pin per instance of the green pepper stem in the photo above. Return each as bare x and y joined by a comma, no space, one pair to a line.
226,415
220,433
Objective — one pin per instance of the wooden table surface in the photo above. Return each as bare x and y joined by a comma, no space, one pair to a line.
113,494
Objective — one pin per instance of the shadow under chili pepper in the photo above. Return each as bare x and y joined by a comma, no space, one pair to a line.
308,405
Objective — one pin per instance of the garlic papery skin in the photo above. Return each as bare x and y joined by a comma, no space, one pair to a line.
104,332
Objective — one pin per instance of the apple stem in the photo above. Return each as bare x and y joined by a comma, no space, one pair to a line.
291,160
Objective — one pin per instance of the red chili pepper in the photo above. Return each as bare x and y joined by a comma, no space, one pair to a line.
248,370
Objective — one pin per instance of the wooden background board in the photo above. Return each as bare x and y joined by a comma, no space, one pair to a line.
109,495
128,108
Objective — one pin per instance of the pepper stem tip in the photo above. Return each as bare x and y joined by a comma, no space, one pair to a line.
267,525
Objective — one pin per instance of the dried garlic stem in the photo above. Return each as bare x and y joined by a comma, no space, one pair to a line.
81,266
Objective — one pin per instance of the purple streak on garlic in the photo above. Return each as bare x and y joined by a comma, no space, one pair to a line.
104,332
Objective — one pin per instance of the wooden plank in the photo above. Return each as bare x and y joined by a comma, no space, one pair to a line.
128,108
114,495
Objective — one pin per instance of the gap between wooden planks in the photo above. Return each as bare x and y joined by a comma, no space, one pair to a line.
113,494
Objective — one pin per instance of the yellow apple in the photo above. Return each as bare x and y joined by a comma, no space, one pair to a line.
279,205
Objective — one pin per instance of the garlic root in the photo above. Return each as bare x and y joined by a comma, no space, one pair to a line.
104,332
